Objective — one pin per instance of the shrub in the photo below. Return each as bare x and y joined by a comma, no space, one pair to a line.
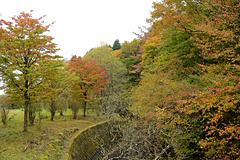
4,108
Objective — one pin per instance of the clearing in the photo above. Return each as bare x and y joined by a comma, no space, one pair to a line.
45,140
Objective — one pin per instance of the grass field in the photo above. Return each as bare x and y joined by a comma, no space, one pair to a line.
45,140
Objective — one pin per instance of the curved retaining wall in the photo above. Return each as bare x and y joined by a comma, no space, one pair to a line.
92,143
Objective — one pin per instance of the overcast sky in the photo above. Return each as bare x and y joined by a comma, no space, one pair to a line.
83,24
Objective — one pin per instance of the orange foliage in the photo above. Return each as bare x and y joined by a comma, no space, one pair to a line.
118,53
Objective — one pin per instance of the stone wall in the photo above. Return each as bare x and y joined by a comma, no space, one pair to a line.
93,143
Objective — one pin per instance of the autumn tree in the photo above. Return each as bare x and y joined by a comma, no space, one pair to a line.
189,89
74,105
217,109
115,69
25,50
57,85
130,50
62,103
115,73
212,119
90,78
194,45
133,59
118,53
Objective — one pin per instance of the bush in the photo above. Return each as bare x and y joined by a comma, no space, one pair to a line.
4,108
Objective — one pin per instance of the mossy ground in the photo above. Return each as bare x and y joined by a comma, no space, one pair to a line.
47,135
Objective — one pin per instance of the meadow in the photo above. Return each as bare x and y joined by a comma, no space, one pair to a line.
45,139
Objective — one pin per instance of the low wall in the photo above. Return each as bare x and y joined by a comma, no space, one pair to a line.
93,143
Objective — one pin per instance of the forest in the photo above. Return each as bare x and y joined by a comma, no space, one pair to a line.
175,88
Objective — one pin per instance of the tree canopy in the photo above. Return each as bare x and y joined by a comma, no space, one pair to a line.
25,51
174,90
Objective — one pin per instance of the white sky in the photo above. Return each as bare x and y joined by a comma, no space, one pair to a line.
84,24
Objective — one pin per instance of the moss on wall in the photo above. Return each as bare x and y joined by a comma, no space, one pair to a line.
89,144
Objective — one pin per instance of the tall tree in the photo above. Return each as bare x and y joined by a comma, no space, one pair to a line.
115,69
90,78
116,45
57,85
132,58
130,48
24,54
115,73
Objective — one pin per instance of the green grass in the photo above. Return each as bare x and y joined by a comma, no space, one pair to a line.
49,145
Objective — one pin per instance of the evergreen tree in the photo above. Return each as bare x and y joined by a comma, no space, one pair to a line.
116,45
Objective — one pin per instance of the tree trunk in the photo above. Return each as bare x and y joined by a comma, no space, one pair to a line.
25,124
85,104
74,115
52,115
74,106
4,114
52,109
84,108
31,114
27,100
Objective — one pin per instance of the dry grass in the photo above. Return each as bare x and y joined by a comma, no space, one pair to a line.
49,144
